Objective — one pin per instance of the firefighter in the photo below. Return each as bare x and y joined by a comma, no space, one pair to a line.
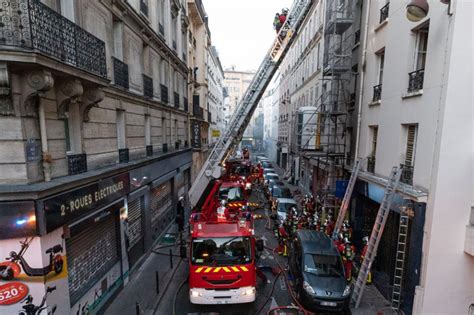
282,241
222,212
348,259
330,227
340,243
363,252
348,228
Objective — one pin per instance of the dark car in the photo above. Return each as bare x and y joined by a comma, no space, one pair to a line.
317,269
266,164
279,191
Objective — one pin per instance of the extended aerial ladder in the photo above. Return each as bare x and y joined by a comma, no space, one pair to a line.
212,168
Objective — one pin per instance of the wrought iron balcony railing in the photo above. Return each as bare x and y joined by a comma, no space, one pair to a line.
384,12
407,174
120,73
77,163
176,99
164,93
31,25
124,155
415,80
147,86
371,164
377,93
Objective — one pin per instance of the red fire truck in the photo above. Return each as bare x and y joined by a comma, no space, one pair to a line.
222,267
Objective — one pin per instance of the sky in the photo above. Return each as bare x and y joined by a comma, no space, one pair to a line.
242,30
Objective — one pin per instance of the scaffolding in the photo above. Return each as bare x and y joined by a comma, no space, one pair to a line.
328,147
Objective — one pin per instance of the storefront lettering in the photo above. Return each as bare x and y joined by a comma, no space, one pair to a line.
73,204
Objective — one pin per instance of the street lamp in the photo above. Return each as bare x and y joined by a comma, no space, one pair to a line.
417,10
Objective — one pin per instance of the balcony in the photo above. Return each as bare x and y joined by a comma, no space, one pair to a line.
164,93
120,73
377,93
144,7
384,12
197,11
407,174
33,26
415,80
371,164
147,86
176,100
124,156
77,163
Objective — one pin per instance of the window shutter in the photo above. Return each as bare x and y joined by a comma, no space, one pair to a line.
409,155
375,132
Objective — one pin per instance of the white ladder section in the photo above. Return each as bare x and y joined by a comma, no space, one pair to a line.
347,198
212,168
376,234
400,259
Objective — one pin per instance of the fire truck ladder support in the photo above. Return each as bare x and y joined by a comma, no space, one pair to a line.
400,260
212,168
376,234
347,198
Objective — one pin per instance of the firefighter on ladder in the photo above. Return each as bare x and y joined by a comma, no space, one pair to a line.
363,253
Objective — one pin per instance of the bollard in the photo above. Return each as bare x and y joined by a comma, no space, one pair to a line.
157,278
137,308
171,259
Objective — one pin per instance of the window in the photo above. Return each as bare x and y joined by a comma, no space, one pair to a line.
374,131
72,129
118,39
416,77
409,158
421,47
163,130
121,139
381,60
384,12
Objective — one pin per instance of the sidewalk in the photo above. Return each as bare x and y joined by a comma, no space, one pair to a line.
141,287
373,302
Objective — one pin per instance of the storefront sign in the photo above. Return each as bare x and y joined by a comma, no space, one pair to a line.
216,133
12,293
17,219
195,134
74,204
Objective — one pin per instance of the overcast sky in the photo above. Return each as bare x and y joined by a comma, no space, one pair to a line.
242,30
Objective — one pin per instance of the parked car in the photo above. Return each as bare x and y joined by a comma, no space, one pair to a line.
283,205
318,272
268,170
261,159
266,164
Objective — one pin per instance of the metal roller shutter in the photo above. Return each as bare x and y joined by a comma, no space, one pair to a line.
161,201
135,226
90,255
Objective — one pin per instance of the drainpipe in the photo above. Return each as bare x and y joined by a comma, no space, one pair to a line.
44,141
362,77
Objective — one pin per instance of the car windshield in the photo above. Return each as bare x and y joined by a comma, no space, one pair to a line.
285,206
280,192
267,165
272,176
323,265
242,170
221,251
231,193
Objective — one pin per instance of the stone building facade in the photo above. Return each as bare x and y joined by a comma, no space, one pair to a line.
94,140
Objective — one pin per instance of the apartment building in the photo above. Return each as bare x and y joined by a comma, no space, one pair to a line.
215,94
270,109
94,144
415,110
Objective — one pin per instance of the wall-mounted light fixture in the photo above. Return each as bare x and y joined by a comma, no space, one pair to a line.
417,10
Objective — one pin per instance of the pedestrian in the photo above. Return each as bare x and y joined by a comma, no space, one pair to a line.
180,214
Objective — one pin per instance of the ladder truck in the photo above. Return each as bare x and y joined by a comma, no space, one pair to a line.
229,140
222,266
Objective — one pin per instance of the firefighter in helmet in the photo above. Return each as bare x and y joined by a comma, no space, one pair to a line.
348,259
363,253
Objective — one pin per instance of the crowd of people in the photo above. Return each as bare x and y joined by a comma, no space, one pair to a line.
314,216
279,20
